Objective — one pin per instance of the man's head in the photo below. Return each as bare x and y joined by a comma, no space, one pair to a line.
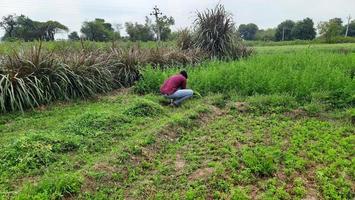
184,73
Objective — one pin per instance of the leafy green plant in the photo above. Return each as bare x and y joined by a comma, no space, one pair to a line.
55,186
261,161
89,124
272,103
144,108
34,151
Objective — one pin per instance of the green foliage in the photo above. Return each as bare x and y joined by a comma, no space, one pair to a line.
73,36
350,113
35,151
334,187
330,29
197,151
298,75
248,31
304,30
274,191
265,35
37,76
151,81
29,79
144,108
272,103
54,186
8,23
22,27
239,194
351,31
89,124
284,31
262,161
98,30
162,25
141,32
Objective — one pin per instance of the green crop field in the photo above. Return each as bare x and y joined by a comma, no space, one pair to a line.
276,125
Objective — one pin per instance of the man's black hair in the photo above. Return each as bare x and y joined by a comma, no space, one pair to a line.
184,73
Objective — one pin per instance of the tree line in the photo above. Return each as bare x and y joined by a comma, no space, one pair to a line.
23,28
301,30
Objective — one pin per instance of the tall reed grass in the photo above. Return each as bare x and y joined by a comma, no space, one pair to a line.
36,76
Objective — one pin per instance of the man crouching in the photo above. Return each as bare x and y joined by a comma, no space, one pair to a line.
174,88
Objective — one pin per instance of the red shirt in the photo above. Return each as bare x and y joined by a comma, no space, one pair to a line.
172,84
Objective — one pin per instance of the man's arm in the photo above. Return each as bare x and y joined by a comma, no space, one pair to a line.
183,84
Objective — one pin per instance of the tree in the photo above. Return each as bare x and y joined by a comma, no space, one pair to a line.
50,28
28,30
351,31
162,24
8,23
248,31
97,30
332,28
266,35
142,32
304,30
73,36
283,30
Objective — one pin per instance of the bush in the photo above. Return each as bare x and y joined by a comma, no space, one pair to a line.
34,151
262,161
55,186
216,34
29,79
185,39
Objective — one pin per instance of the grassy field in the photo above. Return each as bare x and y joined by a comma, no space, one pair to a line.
275,126
335,48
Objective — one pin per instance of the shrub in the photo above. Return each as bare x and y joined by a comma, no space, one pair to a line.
239,194
34,151
216,34
55,186
185,39
29,79
272,103
261,161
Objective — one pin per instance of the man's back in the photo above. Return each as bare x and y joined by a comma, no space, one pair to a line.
172,84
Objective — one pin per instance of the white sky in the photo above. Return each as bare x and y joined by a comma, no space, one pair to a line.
264,13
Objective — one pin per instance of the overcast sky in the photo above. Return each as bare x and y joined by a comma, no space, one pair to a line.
264,13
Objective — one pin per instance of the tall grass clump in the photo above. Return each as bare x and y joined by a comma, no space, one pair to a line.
35,76
215,33
31,78
185,39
